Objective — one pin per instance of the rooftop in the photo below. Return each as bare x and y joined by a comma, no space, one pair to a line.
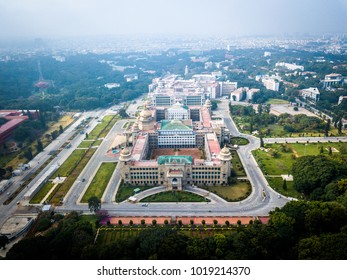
175,159
174,125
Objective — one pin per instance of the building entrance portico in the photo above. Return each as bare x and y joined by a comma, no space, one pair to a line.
175,179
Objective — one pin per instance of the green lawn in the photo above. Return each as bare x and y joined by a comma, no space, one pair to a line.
125,191
237,165
95,133
66,168
276,101
100,181
285,155
59,193
88,144
175,196
42,193
240,141
281,164
85,144
97,142
277,184
234,192
108,127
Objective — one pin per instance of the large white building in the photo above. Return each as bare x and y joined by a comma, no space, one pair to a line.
271,84
178,112
312,94
227,87
290,66
332,80
176,134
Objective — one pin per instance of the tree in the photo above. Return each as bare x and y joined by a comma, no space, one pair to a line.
94,204
154,222
285,184
312,172
28,154
2,172
143,222
120,222
203,222
39,146
339,127
260,109
327,128
54,134
61,130
3,241
261,141
166,222
191,222
131,222
215,222
321,150
227,223
214,105
239,223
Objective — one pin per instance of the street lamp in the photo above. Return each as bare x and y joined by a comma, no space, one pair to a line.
305,150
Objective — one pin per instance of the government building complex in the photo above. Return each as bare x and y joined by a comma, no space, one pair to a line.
176,144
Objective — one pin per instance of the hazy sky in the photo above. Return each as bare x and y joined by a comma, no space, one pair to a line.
56,18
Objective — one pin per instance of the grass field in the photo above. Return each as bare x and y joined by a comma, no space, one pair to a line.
237,165
85,144
276,101
240,141
100,181
42,193
277,184
66,168
59,193
124,191
175,196
95,133
235,192
285,155
274,165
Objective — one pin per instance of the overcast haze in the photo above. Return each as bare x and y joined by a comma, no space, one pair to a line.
61,18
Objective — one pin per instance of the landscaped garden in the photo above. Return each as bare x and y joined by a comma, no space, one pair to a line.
237,166
278,159
234,192
175,196
100,181
127,190
240,141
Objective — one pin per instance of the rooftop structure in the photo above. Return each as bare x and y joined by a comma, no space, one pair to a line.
332,79
176,152
311,94
290,66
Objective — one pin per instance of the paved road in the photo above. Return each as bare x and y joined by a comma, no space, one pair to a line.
262,200
8,210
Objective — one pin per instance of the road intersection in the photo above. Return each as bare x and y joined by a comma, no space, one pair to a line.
261,201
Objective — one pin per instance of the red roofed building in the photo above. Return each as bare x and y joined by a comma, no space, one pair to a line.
14,119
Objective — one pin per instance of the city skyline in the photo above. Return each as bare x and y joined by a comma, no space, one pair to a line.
54,19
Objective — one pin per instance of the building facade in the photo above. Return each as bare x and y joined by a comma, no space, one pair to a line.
199,160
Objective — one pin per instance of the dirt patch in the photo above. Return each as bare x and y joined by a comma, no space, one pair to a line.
194,152
293,150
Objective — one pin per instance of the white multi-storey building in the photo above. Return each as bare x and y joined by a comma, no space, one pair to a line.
178,112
